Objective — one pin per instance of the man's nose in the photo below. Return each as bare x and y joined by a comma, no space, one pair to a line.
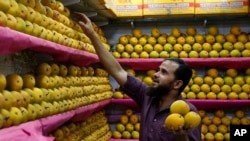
156,74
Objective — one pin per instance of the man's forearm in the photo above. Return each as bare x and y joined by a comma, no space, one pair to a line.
106,58
104,55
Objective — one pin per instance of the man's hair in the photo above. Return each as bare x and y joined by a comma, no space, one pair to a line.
183,72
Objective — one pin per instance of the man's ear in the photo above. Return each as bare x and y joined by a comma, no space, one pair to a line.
178,84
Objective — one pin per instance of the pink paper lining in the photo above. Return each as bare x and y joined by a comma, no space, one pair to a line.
216,104
30,131
38,130
123,139
127,101
13,41
149,63
53,122
200,104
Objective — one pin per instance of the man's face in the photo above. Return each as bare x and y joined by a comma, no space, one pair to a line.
163,79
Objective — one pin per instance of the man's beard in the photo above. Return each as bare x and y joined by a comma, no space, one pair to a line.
158,91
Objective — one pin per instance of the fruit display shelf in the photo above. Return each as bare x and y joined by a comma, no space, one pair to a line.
200,104
13,41
149,63
38,130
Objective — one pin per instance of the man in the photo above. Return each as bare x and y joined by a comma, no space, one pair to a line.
172,77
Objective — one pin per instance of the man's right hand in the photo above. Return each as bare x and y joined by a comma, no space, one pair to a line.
85,23
108,61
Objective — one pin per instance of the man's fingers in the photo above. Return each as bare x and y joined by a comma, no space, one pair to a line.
180,128
77,16
81,23
173,130
81,17
190,128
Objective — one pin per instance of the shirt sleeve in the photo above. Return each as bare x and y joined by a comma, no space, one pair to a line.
135,89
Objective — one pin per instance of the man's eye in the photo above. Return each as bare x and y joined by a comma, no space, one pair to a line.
164,72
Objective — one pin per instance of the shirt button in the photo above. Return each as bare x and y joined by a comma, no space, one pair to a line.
155,120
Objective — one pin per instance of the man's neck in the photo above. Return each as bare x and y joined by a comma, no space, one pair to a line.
166,100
